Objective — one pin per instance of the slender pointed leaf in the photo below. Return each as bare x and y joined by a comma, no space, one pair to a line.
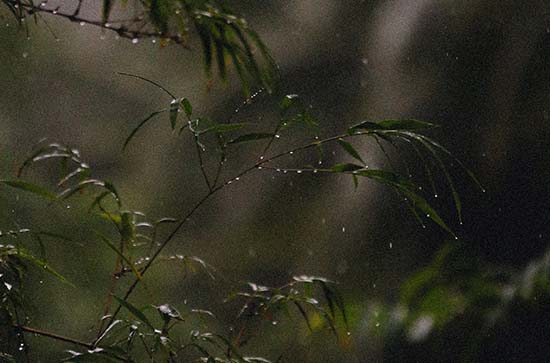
29,187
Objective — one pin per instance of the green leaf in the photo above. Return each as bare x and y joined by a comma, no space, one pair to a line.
160,11
120,254
107,7
350,149
139,126
407,188
187,107
345,167
251,137
393,125
223,128
288,101
6,358
29,187
135,311
40,263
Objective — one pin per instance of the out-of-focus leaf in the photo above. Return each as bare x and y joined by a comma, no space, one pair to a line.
31,188
187,107
106,11
7,358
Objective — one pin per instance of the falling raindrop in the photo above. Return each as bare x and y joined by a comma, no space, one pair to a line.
391,245
343,229
25,54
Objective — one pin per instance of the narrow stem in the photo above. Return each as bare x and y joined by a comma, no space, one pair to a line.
121,30
201,162
214,190
62,338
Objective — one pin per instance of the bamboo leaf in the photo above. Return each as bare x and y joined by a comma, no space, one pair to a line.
134,311
250,137
139,126
409,124
350,149
31,188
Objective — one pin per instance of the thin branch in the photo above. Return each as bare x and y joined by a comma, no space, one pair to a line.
62,338
122,31
214,190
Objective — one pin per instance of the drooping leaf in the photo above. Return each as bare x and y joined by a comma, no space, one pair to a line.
250,137
120,254
139,126
134,311
106,11
393,125
31,188
174,110
345,167
187,107
408,189
350,149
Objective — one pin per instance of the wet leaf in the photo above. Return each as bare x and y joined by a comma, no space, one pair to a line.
250,137
345,167
31,188
393,125
134,311
350,149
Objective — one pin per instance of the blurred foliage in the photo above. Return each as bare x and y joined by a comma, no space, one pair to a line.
461,309
225,38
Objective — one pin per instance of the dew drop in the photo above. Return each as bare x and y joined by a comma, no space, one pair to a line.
82,23
277,136
274,322
237,179
135,41
25,54
291,152
298,172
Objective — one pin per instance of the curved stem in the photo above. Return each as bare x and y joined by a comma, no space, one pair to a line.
212,191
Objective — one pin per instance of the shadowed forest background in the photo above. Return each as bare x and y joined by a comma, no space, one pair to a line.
479,69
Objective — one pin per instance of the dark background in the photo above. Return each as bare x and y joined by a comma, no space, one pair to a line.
480,69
